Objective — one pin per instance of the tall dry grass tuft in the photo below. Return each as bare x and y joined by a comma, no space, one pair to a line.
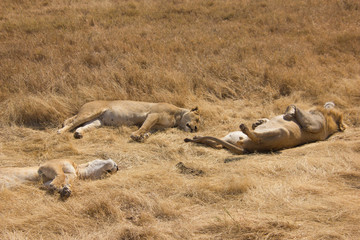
62,55
31,111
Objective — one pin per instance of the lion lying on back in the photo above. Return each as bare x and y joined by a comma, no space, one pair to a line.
293,128
58,175
149,116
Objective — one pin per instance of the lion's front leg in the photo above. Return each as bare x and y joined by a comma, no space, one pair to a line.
144,131
259,122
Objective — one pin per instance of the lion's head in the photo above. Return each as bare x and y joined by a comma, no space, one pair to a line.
190,121
334,118
98,168
335,121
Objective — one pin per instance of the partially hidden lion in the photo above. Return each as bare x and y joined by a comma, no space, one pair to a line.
58,175
149,116
295,127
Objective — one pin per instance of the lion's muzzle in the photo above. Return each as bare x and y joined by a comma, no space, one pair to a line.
192,128
113,169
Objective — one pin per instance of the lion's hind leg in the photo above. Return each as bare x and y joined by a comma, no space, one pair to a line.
309,121
69,121
81,118
68,124
79,132
58,177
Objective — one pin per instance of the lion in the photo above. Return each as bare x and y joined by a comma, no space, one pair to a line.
295,127
149,116
58,175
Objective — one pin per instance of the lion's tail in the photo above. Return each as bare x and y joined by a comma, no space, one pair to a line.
231,147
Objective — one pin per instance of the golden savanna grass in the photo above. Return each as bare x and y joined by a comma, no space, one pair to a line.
238,60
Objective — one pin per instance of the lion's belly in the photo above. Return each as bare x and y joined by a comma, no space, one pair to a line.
123,117
234,137
277,134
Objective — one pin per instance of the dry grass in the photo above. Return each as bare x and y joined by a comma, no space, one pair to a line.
237,60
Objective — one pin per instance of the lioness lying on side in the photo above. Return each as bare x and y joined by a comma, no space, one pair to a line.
150,116
58,175
293,128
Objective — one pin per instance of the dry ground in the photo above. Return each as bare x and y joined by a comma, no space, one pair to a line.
237,60
309,192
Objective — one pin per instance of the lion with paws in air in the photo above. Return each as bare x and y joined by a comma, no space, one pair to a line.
149,116
58,175
293,128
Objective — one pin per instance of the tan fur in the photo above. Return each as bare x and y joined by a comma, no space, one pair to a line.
11,176
294,128
150,116
57,175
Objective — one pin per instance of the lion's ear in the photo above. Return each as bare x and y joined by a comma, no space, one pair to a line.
195,109
329,105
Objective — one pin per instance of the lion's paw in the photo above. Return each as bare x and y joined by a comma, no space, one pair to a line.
259,122
65,193
288,117
137,138
290,113
244,128
78,135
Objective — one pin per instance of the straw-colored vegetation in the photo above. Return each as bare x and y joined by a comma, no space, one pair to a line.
238,60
